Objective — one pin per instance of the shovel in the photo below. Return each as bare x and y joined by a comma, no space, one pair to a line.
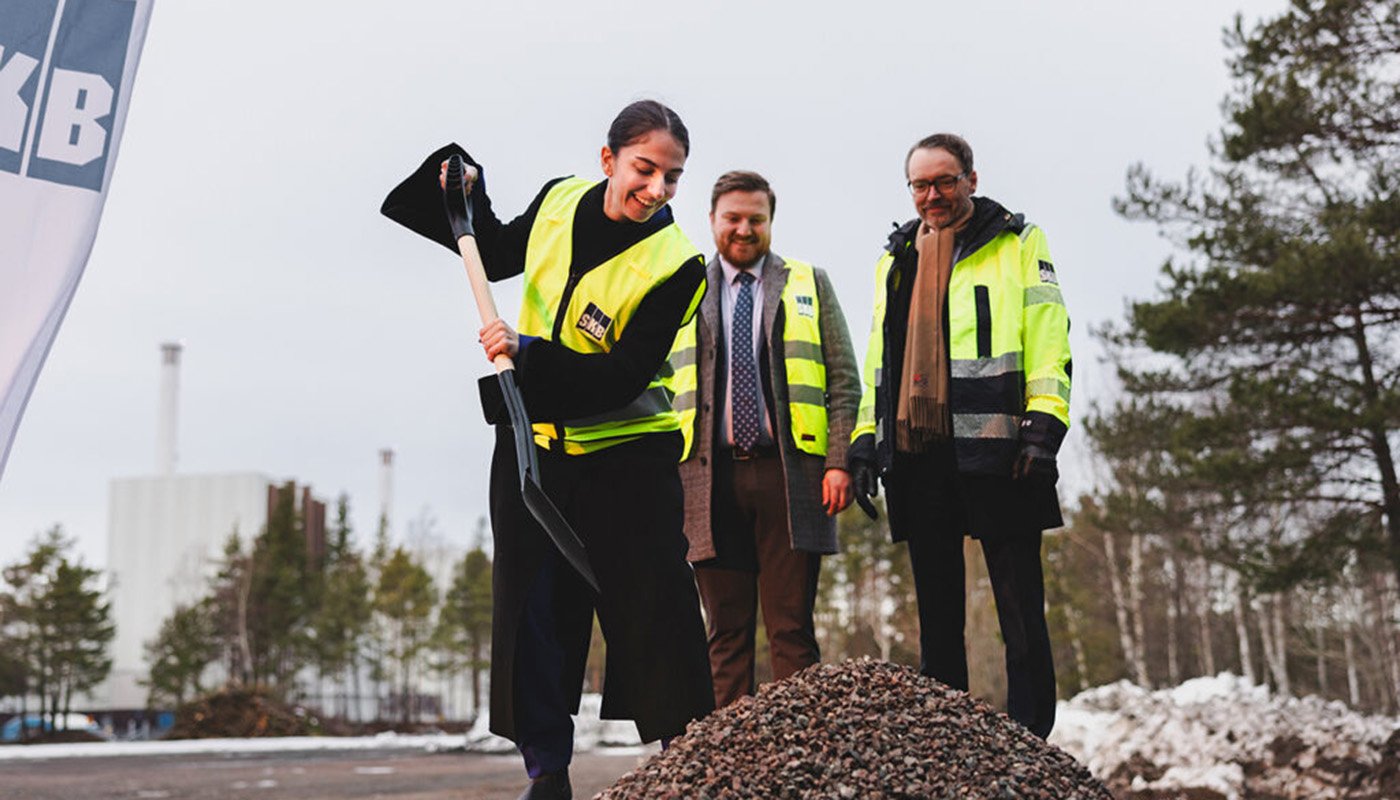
459,216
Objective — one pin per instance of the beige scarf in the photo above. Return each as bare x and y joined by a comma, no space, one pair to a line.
922,417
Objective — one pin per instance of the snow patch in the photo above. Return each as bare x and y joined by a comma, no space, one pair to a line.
591,733
1223,734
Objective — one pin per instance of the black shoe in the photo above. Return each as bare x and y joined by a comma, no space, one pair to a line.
554,786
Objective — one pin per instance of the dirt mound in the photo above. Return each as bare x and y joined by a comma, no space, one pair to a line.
242,713
865,729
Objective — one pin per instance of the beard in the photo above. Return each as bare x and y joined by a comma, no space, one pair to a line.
743,253
950,213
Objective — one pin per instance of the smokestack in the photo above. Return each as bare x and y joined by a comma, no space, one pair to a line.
386,486
169,401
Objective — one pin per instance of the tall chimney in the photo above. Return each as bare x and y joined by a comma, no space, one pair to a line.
169,407
386,486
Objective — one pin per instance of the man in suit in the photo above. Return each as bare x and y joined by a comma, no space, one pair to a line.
767,387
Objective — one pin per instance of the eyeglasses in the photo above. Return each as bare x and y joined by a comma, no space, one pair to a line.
943,183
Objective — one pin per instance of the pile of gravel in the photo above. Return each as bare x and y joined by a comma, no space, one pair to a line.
859,729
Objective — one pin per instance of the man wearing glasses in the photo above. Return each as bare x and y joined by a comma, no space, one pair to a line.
966,402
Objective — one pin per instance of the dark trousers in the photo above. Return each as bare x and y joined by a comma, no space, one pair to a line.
755,566
625,504
927,506
545,731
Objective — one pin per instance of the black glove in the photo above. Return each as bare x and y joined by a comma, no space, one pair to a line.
1041,435
1037,461
867,485
416,203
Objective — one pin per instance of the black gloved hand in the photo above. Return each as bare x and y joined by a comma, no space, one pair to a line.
1041,435
867,484
1035,460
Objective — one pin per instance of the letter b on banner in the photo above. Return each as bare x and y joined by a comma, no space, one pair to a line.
71,132
70,140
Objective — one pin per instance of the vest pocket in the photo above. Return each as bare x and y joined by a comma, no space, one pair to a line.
984,321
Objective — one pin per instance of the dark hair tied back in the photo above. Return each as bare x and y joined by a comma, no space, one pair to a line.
643,117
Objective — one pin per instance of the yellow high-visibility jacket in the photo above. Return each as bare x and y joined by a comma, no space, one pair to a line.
1008,342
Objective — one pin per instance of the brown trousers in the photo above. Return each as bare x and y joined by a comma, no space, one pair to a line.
755,563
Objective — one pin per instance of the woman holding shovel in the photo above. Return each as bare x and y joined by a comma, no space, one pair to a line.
609,280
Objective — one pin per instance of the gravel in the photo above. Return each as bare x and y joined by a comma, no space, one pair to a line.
859,729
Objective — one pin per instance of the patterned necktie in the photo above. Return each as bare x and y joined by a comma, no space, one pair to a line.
744,392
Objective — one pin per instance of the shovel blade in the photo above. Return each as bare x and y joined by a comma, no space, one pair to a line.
558,530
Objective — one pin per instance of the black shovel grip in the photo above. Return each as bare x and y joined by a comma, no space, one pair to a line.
454,197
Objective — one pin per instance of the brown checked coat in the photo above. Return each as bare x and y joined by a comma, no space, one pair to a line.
809,527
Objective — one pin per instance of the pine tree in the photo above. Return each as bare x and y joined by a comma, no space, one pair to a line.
343,617
58,621
180,653
464,623
228,607
76,611
14,674
405,598
278,596
1276,339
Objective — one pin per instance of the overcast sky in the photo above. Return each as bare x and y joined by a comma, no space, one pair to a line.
243,215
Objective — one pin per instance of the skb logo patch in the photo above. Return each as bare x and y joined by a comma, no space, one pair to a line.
1047,273
594,322
806,306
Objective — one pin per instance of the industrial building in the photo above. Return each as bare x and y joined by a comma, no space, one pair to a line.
165,537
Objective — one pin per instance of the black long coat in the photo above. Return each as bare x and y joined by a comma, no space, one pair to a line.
625,504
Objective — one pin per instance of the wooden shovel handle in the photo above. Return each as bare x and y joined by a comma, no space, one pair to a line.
481,290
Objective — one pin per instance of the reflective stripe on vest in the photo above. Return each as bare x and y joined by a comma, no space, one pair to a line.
600,303
683,382
802,360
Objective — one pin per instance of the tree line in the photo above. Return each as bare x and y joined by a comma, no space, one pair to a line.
55,625
1244,510
1248,510
333,628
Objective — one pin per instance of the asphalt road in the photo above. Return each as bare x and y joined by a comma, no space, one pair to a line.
402,775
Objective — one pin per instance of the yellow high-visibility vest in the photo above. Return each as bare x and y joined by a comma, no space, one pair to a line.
802,360
588,313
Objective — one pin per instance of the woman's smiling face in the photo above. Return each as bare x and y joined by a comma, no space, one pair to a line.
642,176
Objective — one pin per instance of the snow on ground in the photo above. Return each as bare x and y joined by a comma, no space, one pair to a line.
1225,735
590,734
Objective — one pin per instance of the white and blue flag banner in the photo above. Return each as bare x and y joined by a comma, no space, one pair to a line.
66,69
